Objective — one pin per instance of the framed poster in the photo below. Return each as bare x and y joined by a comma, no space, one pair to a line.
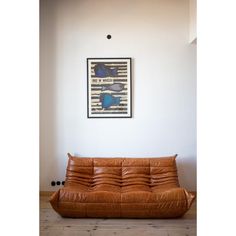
109,88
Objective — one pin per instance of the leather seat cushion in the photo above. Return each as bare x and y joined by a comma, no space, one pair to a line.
71,195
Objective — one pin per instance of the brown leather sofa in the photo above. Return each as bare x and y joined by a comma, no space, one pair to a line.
121,187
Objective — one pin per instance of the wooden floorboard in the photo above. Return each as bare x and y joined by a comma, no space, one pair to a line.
51,224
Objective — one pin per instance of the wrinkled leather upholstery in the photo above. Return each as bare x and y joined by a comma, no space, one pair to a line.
121,187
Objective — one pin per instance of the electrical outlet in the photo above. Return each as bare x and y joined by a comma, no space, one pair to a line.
57,182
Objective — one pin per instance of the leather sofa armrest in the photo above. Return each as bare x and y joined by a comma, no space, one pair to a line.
54,200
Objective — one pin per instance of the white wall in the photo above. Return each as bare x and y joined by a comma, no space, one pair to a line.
155,33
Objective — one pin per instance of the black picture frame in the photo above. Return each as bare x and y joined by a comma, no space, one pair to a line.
109,87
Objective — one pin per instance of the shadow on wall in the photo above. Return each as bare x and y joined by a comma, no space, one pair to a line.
48,99
187,172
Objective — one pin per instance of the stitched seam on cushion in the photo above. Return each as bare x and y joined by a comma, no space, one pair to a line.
186,199
150,177
122,181
123,202
131,166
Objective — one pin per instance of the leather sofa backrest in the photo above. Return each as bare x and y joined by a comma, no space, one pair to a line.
122,172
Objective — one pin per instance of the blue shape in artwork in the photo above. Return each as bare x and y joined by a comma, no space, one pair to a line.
103,71
116,87
108,100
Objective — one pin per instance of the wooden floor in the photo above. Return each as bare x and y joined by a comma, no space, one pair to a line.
51,224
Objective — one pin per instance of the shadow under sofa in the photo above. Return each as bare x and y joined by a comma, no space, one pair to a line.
122,188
